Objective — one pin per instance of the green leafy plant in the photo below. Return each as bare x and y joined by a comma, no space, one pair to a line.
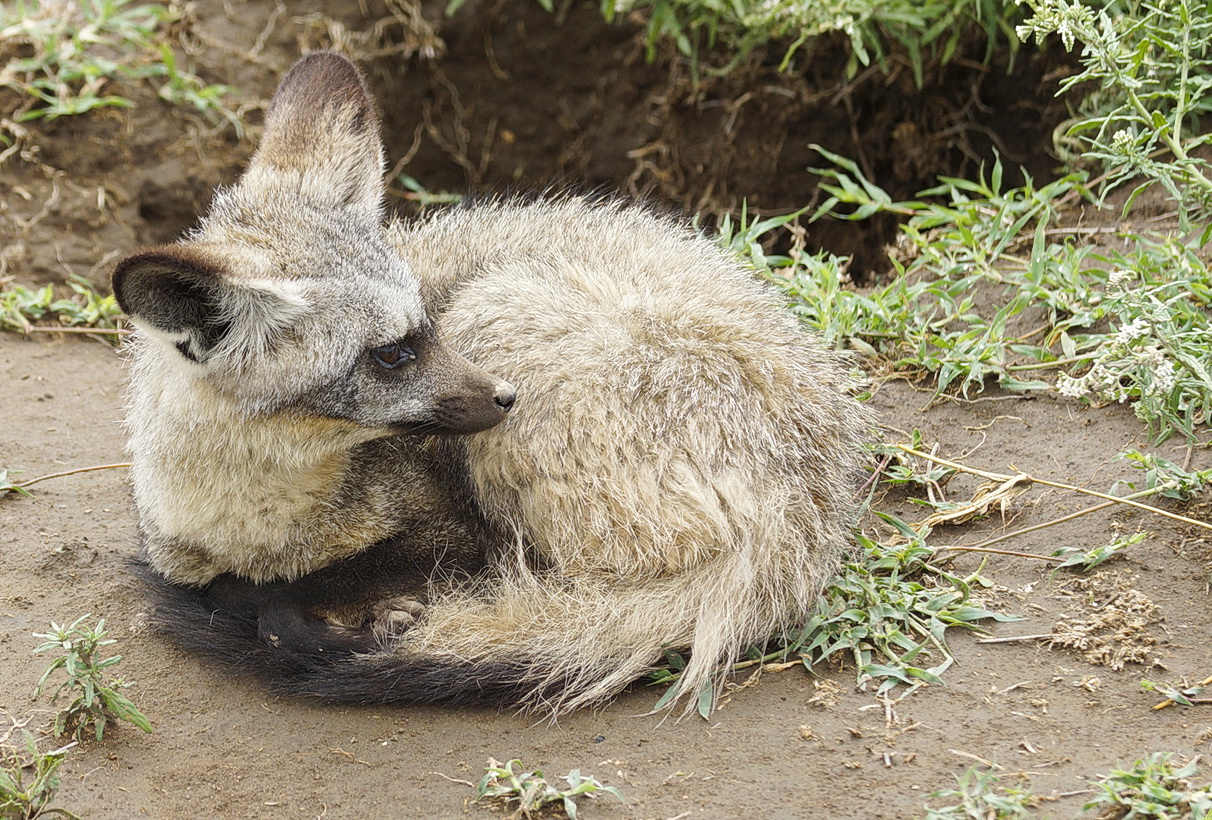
922,31
27,799
61,54
1090,558
529,792
1151,61
983,294
21,308
980,795
1165,478
1157,358
1153,788
94,698
889,611
962,284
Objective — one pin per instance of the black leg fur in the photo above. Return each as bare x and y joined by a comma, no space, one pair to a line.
227,630
287,618
296,619
279,632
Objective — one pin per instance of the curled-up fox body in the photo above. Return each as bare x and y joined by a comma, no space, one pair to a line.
677,472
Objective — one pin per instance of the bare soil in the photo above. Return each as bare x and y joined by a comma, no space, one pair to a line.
786,744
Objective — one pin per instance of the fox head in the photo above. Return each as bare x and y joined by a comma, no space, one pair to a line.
287,298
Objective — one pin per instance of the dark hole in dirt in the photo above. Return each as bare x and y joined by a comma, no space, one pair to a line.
524,99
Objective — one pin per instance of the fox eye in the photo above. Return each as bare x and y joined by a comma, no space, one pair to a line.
393,355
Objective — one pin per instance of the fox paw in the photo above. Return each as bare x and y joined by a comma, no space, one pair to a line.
391,618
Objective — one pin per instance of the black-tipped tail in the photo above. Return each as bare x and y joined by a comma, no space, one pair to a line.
224,634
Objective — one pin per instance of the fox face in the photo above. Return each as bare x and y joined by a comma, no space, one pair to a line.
287,297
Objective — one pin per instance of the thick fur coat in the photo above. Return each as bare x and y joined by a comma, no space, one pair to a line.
677,472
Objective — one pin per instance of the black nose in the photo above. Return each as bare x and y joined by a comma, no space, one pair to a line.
505,396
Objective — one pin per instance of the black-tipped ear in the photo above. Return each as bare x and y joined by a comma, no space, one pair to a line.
187,298
322,136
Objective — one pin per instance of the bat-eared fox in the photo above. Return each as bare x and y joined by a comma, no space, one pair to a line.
513,452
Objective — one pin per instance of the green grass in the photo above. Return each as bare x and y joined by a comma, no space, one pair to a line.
63,56
988,290
717,35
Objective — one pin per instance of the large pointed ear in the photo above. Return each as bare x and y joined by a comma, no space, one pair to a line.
321,138
189,298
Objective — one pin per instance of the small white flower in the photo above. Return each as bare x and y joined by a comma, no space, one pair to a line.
1070,387
1136,329
1065,30
1119,280
1164,377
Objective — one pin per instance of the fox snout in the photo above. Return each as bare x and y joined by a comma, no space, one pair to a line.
474,408
463,397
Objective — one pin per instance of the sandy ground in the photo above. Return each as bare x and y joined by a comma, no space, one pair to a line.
789,745
785,745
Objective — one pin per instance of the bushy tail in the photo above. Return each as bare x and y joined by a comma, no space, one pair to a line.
526,642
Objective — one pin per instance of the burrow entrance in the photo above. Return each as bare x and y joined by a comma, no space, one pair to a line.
525,99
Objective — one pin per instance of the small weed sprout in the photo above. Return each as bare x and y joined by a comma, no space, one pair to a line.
8,486
1185,696
530,792
413,191
901,470
1153,788
21,308
1088,559
26,800
95,700
982,797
